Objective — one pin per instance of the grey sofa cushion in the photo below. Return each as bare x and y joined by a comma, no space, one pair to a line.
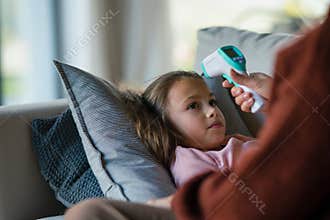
260,52
62,159
122,165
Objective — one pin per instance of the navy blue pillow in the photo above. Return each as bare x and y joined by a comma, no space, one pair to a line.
62,159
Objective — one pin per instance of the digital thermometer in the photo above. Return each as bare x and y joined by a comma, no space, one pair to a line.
221,61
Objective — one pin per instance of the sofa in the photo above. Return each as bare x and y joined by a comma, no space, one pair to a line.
24,194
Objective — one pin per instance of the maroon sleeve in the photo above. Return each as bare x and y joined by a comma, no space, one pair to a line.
288,176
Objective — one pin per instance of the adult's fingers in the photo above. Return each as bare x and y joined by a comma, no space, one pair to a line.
242,79
246,105
226,84
236,91
239,100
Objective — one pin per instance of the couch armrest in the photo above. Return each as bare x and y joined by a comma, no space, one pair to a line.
23,192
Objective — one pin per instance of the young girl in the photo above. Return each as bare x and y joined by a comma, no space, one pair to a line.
178,120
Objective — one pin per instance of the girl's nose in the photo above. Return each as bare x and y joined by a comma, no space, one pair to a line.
211,112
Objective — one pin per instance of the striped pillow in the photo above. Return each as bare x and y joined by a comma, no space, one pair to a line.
122,165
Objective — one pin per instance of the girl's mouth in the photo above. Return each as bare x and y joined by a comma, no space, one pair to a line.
216,125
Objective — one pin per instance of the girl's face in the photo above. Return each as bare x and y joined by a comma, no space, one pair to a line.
192,109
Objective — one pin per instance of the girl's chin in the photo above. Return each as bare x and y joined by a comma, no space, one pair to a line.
218,144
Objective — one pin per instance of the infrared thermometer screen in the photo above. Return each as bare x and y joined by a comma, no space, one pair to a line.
231,53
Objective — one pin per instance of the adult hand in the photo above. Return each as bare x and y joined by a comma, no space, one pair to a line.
164,202
259,82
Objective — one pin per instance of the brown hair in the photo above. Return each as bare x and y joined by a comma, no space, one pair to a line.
148,112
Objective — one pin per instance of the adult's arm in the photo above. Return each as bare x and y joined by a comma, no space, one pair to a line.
287,175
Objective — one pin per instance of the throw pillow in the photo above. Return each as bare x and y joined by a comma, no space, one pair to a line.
123,166
62,159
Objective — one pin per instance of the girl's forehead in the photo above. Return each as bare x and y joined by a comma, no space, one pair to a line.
188,86
190,83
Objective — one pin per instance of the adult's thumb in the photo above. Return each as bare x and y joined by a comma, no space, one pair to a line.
242,79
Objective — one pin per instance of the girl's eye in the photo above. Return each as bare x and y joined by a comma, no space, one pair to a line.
213,102
193,105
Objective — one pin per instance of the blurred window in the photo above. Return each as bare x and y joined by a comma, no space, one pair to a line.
28,46
187,16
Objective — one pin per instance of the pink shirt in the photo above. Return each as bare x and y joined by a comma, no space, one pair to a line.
190,162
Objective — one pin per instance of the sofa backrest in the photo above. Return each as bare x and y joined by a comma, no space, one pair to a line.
23,192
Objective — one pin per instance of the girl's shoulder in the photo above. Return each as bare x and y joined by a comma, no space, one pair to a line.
191,153
181,149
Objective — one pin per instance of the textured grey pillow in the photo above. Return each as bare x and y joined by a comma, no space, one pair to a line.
260,51
122,165
62,160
